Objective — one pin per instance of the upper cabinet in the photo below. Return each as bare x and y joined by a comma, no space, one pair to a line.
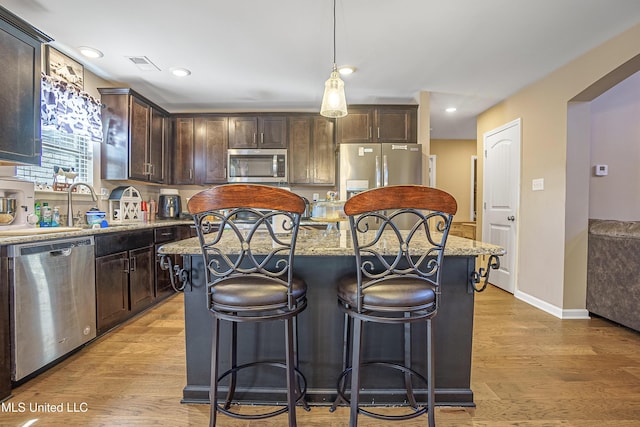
211,144
136,137
20,47
200,150
184,150
260,131
378,123
311,150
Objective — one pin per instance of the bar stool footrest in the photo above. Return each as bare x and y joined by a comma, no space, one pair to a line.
342,387
223,408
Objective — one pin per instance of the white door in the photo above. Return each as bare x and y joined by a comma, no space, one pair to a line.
501,195
432,170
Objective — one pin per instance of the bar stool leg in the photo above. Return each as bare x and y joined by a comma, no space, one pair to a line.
213,387
291,375
346,339
430,377
355,371
305,405
234,363
411,398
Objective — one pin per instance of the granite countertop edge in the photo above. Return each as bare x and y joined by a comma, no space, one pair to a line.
456,246
15,240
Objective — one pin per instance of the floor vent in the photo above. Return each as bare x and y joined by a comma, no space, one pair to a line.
143,63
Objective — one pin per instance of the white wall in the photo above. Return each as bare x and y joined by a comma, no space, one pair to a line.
615,142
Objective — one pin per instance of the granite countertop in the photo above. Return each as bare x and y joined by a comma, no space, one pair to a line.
27,238
614,228
318,243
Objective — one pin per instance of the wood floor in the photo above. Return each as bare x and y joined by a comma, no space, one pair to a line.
530,369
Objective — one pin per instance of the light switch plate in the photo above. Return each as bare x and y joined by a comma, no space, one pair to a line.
537,184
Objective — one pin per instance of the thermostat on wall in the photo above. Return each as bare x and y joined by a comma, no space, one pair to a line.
601,170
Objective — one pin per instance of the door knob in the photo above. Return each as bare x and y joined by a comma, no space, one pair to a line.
511,218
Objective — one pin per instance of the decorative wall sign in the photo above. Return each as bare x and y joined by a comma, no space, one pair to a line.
64,68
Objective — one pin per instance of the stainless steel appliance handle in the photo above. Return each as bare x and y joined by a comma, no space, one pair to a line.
385,171
274,166
377,171
61,252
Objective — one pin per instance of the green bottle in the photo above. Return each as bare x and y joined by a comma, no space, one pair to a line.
38,215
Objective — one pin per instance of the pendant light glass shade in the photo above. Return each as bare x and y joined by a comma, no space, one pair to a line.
334,102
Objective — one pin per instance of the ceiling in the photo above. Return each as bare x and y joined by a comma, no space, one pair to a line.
258,55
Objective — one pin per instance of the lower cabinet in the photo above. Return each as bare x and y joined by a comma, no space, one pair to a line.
124,276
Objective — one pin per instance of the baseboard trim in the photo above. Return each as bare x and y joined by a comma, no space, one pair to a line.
568,314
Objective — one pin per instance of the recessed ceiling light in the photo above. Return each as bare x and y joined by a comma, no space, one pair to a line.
345,70
180,72
90,52
451,110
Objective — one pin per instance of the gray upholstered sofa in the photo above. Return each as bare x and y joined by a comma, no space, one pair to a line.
613,271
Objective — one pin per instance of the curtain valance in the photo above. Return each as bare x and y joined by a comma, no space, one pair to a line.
70,110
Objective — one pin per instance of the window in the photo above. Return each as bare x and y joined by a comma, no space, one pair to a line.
61,152
70,121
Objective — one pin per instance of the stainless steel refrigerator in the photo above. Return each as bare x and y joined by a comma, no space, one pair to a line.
365,166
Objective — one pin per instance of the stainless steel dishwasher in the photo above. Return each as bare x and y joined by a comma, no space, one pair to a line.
53,301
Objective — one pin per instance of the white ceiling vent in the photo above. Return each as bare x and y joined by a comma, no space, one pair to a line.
143,63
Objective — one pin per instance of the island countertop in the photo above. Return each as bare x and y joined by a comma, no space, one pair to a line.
316,242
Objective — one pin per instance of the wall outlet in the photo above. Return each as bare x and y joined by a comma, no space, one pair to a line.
537,184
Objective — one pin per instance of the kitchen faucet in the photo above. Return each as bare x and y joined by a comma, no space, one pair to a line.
69,200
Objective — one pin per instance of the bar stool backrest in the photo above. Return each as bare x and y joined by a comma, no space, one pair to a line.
383,251
248,230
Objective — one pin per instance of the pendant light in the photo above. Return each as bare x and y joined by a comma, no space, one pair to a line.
334,102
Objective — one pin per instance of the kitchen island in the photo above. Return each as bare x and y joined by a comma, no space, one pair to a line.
320,259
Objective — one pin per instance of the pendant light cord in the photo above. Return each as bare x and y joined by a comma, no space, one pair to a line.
334,32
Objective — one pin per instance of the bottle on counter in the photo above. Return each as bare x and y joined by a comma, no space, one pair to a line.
153,209
37,211
55,218
46,215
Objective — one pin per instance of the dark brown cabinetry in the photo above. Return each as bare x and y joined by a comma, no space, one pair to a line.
124,276
264,131
212,139
135,137
311,150
184,151
5,330
20,46
381,123
200,151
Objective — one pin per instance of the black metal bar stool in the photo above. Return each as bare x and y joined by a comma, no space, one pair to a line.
248,236
395,283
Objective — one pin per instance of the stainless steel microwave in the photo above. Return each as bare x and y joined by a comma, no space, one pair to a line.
257,165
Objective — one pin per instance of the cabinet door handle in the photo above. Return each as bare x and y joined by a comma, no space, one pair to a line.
126,266
261,137
132,262
254,137
370,132
378,132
